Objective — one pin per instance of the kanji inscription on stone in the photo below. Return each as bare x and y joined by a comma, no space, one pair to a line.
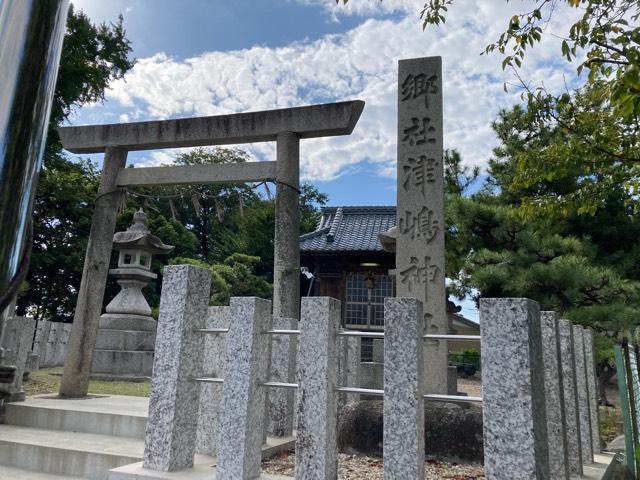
420,207
420,85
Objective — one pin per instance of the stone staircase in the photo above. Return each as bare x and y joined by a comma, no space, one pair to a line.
48,438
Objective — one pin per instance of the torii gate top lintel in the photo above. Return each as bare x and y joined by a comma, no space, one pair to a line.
311,121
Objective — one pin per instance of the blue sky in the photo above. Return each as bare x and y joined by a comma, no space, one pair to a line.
207,57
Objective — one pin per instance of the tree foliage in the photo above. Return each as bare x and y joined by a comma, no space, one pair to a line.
92,57
604,41
233,277
583,266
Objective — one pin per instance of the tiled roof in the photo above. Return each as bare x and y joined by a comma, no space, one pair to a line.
349,229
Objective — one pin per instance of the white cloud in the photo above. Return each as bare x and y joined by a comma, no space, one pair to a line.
359,64
366,7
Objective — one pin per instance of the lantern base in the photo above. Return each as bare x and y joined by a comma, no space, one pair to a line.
121,321
124,347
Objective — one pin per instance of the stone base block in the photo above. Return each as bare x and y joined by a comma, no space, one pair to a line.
122,363
126,340
116,321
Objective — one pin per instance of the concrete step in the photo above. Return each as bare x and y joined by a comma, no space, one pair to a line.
66,453
116,415
10,473
122,363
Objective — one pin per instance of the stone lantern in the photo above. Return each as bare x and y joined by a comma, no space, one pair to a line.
136,246
126,338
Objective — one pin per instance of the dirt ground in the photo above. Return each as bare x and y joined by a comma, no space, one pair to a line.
472,386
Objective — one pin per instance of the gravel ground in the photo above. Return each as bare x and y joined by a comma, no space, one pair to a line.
355,467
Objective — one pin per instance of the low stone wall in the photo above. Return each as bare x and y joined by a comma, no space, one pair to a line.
50,343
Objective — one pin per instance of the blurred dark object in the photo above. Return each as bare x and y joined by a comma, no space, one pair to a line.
31,34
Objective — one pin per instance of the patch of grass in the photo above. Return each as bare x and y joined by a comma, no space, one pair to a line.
610,423
47,380
133,389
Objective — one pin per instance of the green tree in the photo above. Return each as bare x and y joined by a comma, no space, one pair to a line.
233,277
92,57
62,218
580,265
604,40
212,213
258,225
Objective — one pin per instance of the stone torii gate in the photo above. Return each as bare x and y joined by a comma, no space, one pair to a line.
284,126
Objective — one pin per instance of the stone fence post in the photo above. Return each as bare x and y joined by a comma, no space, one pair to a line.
403,389
243,396
583,395
349,368
556,430
592,385
316,443
173,407
283,360
515,428
213,358
571,410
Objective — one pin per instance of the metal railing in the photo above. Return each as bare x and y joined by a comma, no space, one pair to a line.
355,390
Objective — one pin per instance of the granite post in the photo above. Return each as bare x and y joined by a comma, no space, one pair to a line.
316,441
211,393
558,458
350,356
571,411
286,280
514,416
583,395
403,435
283,360
170,438
592,385
77,364
243,397
420,211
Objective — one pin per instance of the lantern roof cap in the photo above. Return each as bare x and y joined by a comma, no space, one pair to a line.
139,236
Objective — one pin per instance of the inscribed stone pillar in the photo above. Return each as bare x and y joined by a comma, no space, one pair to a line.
286,280
243,396
514,416
77,364
170,439
316,440
403,390
583,395
571,412
211,393
420,206
558,459
592,385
